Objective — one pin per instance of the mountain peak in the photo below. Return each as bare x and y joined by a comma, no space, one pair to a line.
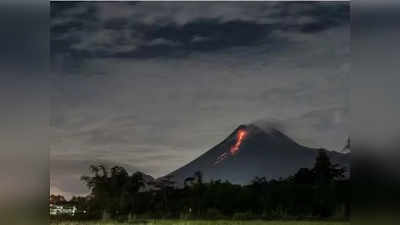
251,151
266,132
252,129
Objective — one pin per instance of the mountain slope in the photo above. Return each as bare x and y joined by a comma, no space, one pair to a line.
250,151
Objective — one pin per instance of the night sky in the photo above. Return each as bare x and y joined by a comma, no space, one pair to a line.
152,85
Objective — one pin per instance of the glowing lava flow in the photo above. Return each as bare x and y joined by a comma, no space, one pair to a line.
240,136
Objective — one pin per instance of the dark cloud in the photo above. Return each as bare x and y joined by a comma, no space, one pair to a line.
131,30
326,15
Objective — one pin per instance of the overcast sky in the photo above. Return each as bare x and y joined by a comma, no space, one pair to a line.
152,85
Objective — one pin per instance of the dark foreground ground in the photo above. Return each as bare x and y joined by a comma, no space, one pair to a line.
204,222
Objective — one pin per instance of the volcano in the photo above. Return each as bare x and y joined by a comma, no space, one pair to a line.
251,151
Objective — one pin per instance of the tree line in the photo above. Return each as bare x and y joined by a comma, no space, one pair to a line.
319,192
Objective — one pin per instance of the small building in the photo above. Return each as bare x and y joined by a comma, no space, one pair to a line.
56,210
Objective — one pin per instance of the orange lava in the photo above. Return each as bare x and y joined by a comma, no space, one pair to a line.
240,136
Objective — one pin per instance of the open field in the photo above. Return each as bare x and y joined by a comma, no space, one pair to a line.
218,222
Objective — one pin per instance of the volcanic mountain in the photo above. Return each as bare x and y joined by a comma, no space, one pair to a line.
251,151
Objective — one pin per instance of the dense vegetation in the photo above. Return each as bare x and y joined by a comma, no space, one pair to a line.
319,192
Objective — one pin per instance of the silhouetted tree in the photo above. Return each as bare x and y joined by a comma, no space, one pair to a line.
57,199
165,186
100,189
316,192
135,183
325,174
324,171
304,176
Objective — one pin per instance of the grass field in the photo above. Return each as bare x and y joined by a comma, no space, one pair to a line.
221,222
